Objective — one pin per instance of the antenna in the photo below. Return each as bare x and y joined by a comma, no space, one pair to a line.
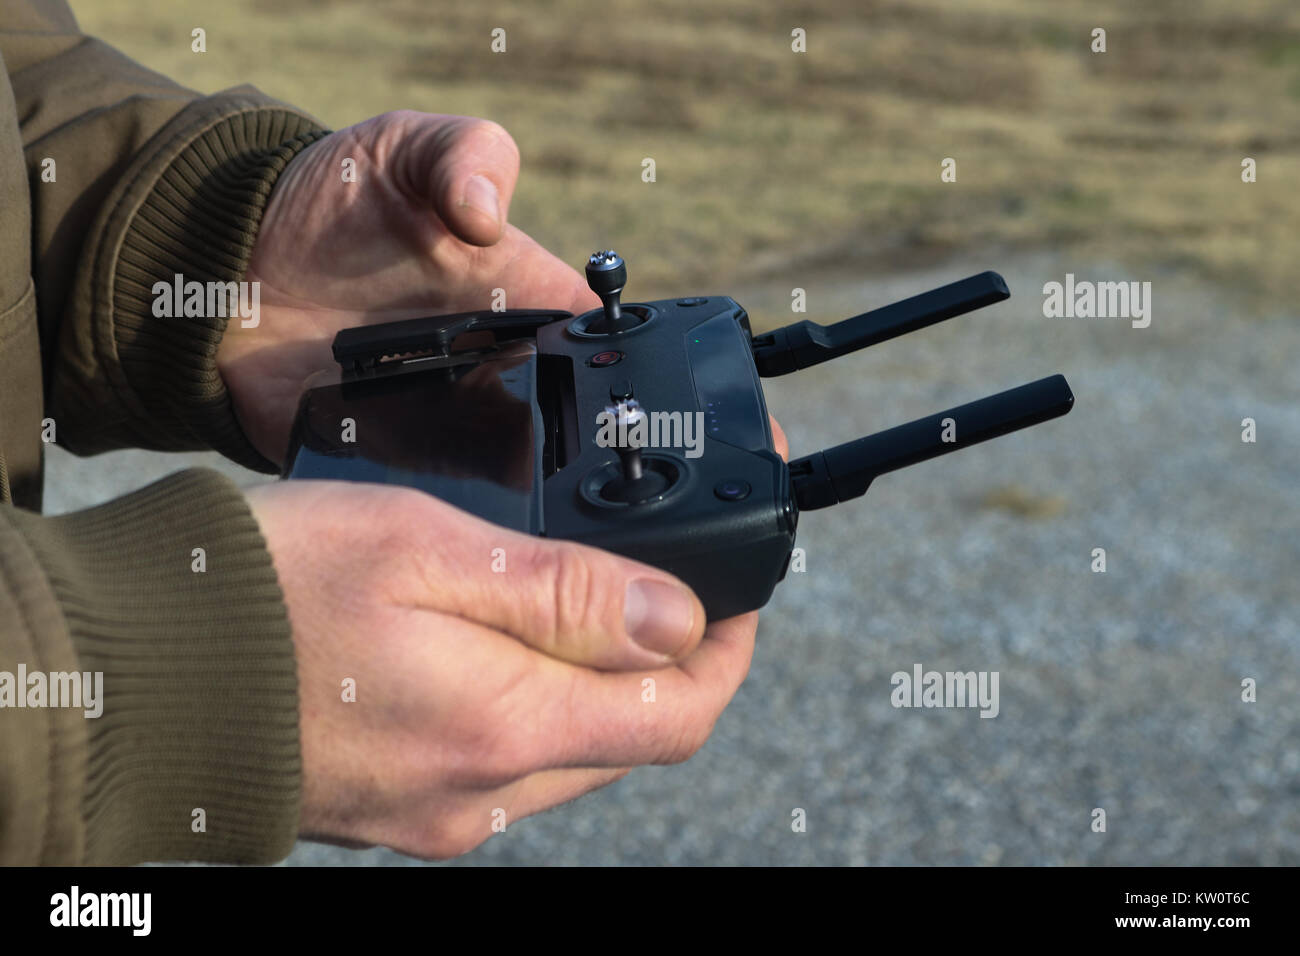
846,471
806,343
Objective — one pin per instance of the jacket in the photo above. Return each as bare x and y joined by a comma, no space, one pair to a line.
111,179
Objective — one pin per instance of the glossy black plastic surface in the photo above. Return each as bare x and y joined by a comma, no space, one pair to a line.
501,414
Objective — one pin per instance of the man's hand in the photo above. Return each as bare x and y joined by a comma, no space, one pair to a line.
481,695
422,231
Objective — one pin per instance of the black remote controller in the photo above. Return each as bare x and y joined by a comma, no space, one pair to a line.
637,428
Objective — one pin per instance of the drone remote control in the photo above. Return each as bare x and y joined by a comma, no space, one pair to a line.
640,428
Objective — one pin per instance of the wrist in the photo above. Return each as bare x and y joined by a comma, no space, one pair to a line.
191,236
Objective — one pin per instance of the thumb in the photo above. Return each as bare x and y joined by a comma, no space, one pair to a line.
569,601
590,607
468,167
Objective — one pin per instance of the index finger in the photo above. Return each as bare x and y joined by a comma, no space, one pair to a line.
623,719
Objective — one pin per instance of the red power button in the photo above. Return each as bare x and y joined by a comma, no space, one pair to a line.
605,359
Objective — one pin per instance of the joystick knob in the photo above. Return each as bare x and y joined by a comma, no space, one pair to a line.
636,483
627,416
607,275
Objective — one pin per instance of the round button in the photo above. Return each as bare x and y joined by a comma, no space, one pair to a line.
605,359
733,489
693,300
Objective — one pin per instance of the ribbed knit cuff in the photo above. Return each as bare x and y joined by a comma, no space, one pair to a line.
171,594
199,221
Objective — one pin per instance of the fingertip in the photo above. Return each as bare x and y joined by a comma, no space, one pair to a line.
779,441
726,653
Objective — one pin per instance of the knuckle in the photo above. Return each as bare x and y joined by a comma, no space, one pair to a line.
570,589
405,116
493,131
686,742
658,742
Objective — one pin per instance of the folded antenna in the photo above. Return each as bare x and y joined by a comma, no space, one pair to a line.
846,471
807,343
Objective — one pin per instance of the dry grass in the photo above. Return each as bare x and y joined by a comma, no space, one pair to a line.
1022,503
774,161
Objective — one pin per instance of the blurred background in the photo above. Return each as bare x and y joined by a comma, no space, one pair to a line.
820,170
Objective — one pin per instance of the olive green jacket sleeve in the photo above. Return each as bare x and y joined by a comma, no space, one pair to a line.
151,180
168,593
183,743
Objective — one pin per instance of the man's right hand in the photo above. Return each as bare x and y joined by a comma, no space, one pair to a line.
481,695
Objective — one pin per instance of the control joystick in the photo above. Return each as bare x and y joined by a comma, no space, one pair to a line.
640,479
607,276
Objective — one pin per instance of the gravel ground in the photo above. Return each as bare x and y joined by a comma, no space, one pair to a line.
1119,690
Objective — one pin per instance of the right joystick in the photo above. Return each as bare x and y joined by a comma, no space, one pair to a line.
607,275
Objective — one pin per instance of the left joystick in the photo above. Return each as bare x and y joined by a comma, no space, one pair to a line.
607,275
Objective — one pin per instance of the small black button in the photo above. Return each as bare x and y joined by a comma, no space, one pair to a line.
733,489
605,359
621,390
694,300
